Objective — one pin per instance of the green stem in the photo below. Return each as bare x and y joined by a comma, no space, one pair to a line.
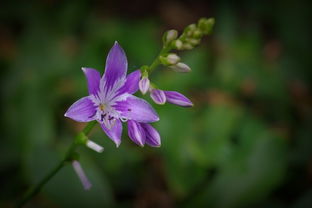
68,157
156,62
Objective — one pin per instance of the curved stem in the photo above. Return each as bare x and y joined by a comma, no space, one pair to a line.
156,62
68,157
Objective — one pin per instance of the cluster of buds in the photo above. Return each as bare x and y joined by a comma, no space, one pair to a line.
191,36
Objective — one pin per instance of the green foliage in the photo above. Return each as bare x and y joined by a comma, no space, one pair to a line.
245,143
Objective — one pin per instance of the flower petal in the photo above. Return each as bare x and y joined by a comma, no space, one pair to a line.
132,83
93,79
136,132
115,132
178,99
158,96
115,68
152,135
137,109
82,110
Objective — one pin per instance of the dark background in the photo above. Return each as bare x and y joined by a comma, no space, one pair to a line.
246,142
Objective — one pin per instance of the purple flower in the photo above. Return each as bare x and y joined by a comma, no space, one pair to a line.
110,99
161,97
143,133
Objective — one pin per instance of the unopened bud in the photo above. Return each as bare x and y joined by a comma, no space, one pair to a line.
170,59
191,27
181,67
144,84
188,31
173,58
197,34
158,96
187,46
178,44
194,42
169,36
206,25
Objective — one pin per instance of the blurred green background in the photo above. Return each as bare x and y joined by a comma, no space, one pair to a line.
246,142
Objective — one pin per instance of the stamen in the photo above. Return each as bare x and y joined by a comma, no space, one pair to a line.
109,123
103,116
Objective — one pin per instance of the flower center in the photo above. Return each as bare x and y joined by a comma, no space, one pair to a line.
102,107
106,115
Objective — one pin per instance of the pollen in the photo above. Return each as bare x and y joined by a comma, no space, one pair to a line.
102,107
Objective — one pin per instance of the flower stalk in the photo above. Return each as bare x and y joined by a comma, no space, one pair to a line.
189,39
69,157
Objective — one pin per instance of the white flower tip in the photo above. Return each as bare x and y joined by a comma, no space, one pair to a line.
94,146
157,146
116,42
160,103
140,143
117,144
81,175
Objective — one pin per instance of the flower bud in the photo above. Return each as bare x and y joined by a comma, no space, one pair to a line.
158,96
144,84
181,67
178,44
191,27
197,34
187,46
177,99
194,42
206,25
173,58
169,36
170,59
